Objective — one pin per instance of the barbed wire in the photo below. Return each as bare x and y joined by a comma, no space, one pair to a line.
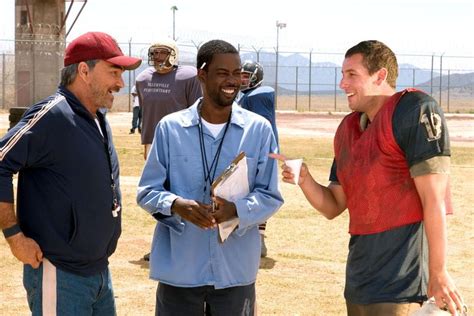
7,47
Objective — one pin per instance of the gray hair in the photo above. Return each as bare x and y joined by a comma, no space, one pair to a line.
69,73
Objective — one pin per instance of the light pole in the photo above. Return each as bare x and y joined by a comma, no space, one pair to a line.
440,77
174,9
279,26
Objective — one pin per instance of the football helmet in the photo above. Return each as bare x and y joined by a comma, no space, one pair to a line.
166,48
252,75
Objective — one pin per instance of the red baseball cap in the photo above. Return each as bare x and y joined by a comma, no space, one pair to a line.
98,45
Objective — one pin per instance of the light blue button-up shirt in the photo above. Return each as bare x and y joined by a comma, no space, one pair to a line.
183,254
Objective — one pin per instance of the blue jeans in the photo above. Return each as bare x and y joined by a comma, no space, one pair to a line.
137,118
51,290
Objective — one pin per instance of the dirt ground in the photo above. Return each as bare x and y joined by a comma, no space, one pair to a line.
311,124
324,124
307,124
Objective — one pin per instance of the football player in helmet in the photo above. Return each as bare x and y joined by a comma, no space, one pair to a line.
163,88
163,56
252,75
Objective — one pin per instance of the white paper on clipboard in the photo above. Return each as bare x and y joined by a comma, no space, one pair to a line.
232,185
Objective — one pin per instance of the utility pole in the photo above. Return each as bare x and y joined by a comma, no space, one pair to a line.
174,9
279,26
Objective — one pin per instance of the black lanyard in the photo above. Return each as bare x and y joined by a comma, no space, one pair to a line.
105,140
205,166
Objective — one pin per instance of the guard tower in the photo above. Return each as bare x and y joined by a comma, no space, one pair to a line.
40,40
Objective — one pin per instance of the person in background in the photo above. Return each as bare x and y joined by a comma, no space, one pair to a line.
164,87
261,100
68,219
137,112
190,149
391,171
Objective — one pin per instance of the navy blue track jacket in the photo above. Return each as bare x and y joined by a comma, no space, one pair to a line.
64,198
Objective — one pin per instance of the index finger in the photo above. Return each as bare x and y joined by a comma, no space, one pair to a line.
458,301
277,156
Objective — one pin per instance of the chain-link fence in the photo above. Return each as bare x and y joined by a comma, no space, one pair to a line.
307,81
7,79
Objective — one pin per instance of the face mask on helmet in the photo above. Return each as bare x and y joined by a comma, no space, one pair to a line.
163,56
252,75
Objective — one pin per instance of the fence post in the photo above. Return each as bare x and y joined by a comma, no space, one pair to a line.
257,52
276,77
129,77
449,87
310,86
335,89
431,81
296,91
440,77
3,80
413,77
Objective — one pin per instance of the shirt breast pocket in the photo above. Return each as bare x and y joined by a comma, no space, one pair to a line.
186,174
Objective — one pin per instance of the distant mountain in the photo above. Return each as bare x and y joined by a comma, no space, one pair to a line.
293,74
410,76
459,84
325,76
265,58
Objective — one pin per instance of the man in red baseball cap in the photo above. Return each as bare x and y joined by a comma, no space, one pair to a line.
96,60
68,217
98,45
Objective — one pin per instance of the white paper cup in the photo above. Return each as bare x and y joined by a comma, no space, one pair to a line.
295,165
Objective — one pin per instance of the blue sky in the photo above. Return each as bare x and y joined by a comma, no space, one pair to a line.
407,26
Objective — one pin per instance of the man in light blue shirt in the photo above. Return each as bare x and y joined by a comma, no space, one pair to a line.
190,149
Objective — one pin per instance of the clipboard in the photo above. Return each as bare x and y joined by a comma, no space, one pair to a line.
232,185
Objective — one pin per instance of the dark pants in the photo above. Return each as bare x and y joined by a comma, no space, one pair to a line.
137,118
191,301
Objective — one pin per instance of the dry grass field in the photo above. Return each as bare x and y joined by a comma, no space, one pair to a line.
328,103
304,271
